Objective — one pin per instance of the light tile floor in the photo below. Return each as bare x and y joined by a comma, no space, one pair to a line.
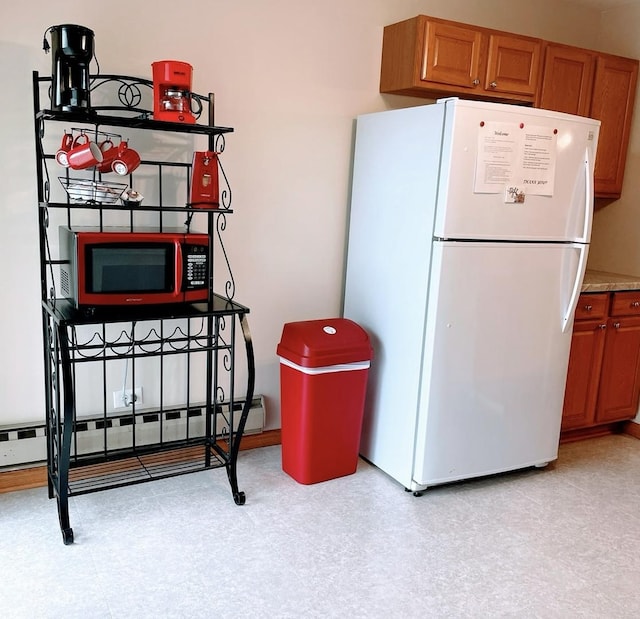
559,543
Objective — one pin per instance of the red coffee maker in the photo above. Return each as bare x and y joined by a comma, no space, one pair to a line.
172,91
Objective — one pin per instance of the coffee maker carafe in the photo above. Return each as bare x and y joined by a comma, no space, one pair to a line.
71,53
172,91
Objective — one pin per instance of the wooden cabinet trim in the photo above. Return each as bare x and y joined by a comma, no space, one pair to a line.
401,43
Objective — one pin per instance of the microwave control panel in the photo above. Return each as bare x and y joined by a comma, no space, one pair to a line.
196,259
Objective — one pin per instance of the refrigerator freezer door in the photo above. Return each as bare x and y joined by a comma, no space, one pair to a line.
496,358
473,200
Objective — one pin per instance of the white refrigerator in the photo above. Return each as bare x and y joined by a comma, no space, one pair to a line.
468,238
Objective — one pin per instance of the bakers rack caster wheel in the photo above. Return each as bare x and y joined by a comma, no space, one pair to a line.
239,498
67,536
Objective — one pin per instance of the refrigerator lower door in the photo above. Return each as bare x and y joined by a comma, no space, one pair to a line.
496,356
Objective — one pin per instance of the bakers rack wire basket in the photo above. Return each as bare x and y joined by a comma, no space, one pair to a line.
86,191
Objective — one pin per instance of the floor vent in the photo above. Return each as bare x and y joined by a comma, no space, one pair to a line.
27,444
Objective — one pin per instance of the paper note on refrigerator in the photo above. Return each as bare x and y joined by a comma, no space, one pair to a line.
538,161
498,147
516,157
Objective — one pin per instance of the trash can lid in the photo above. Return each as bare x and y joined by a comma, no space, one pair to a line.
317,343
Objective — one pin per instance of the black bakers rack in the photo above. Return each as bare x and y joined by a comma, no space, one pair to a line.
89,446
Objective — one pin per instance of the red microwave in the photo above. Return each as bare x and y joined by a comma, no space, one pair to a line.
115,267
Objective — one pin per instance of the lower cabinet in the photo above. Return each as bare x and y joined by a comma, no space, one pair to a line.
603,379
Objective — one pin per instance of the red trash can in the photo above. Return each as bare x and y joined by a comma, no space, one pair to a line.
324,365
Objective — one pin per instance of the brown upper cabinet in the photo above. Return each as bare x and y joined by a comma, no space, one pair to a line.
513,65
429,57
602,86
614,91
424,57
567,81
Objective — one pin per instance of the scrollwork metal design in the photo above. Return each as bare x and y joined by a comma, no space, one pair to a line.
125,344
225,191
198,105
230,284
219,143
128,92
227,362
129,95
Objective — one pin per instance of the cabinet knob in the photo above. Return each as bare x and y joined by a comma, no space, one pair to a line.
635,304
476,82
616,325
603,327
588,308
493,85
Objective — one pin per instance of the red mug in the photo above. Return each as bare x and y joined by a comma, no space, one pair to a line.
109,153
126,161
84,154
62,154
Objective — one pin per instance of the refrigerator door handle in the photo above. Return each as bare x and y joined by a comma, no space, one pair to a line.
588,198
577,284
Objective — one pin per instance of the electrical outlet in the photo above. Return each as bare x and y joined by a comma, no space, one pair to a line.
124,399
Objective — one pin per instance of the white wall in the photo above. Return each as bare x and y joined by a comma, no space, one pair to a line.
290,76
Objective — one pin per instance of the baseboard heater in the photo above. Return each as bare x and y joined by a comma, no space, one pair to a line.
27,444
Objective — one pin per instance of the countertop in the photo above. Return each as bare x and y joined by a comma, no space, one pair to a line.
601,281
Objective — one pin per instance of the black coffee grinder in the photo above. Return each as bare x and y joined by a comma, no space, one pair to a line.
71,53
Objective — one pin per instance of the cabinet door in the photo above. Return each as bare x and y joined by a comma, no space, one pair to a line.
614,92
620,376
585,363
567,80
451,55
513,65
